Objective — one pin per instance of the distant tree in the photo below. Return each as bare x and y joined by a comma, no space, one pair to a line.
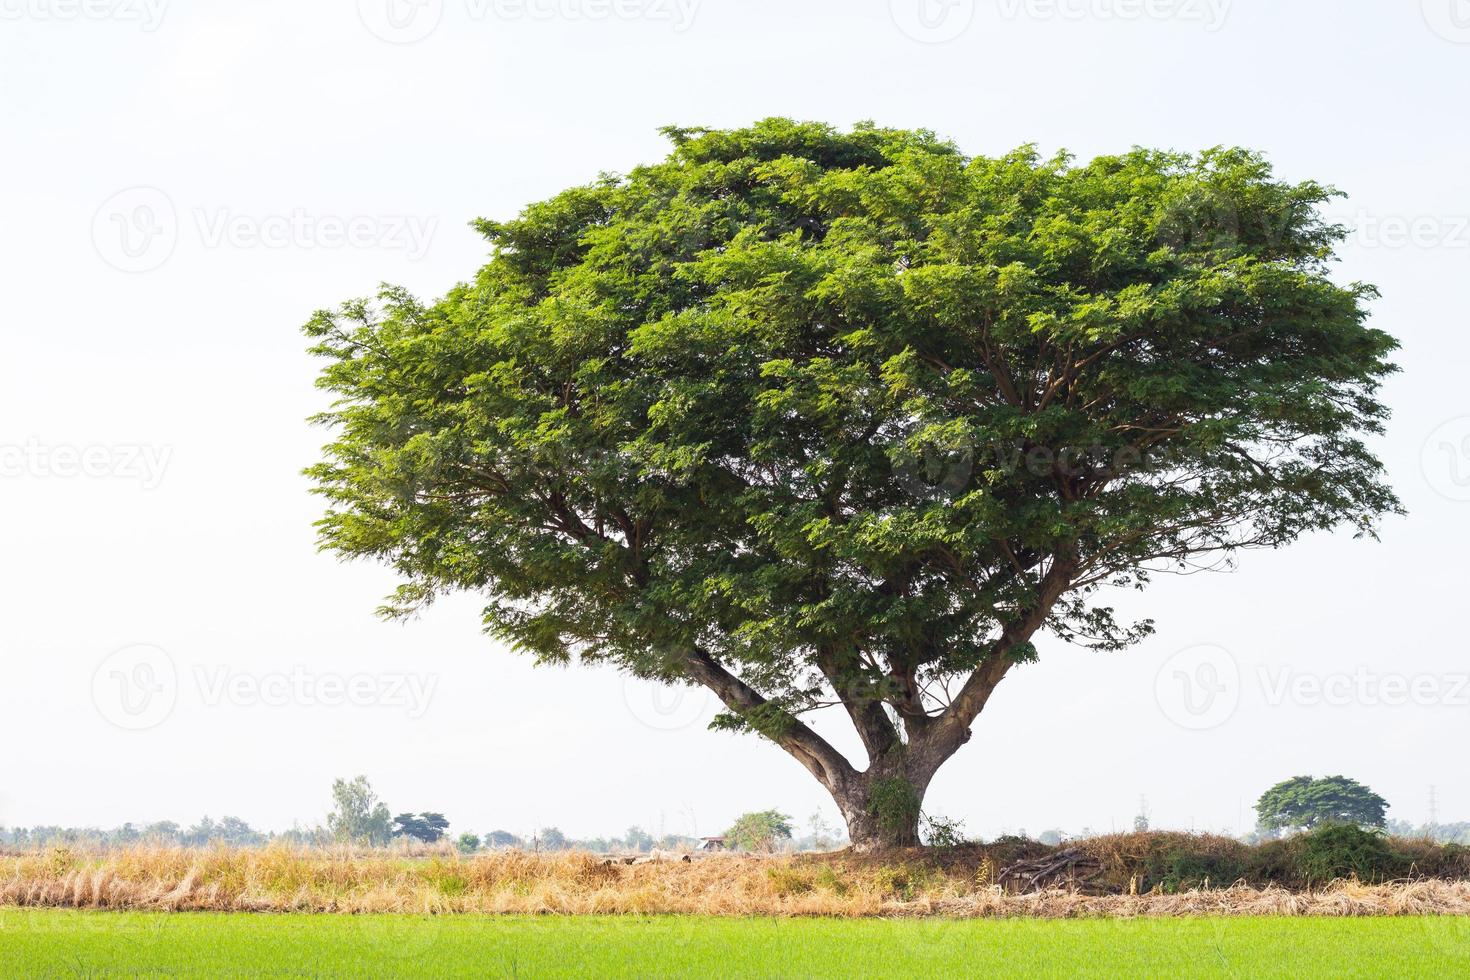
551,839
1444,833
822,832
238,833
165,831
305,836
358,816
230,830
201,834
760,831
502,838
1052,837
468,843
638,839
1303,803
426,827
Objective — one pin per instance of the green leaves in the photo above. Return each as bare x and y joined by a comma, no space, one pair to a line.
1304,802
831,405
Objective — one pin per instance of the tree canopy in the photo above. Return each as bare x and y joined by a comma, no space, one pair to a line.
427,828
1303,803
815,417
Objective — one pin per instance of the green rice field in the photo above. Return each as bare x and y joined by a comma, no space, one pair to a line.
69,943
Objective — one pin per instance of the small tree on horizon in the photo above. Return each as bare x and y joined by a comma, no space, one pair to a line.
551,839
1304,803
761,831
817,418
425,827
358,816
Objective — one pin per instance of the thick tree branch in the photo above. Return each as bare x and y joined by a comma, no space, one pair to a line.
949,731
806,746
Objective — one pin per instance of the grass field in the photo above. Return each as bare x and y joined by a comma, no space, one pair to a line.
51,942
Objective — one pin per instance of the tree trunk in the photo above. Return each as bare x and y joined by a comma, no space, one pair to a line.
881,808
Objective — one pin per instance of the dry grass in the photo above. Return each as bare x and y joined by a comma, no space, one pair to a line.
283,879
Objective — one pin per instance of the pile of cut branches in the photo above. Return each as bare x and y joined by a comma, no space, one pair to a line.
1070,869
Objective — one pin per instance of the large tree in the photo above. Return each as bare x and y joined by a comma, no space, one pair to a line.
818,418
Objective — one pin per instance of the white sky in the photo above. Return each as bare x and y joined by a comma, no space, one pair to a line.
258,130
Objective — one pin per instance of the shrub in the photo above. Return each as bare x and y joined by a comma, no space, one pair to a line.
789,881
1344,850
1276,862
830,880
1167,860
1185,870
944,834
1430,860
